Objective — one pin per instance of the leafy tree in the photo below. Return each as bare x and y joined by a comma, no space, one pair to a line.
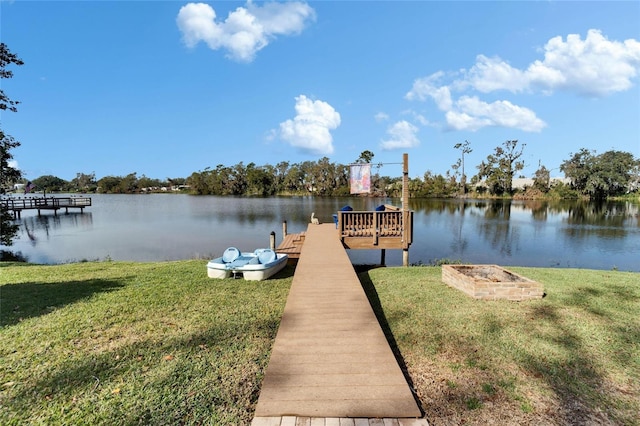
7,58
50,183
578,168
281,170
129,183
325,176
634,181
600,176
307,174
541,179
436,186
464,148
294,180
8,174
110,184
501,166
342,180
84,182
562,191
259,182
218,181
365,157
238,180
273,176
611,175
197,183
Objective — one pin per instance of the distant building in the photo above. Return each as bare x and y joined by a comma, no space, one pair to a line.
521,183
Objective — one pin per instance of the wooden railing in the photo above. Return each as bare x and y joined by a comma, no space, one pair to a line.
16,205
45,203
392,229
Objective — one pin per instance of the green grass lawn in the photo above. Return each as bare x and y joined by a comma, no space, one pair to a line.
570,358
133,343
160,343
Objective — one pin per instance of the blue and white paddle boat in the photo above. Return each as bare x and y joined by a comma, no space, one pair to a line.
256,266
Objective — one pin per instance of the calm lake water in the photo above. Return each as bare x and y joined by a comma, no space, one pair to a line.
161,227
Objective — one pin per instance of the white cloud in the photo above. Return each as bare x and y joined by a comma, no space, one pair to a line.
594,67
473,114
310,130
426,87
419,118
381,116
246,29
13,164
402,135
490,74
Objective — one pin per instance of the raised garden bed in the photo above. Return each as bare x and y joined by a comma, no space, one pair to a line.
491,282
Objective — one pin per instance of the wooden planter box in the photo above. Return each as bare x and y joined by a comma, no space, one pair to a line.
491,282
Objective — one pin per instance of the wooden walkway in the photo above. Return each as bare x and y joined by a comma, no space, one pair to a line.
331,363
291,245
17,205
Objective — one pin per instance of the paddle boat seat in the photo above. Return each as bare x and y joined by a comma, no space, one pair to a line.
233,258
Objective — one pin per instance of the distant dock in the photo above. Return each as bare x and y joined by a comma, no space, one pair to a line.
17,205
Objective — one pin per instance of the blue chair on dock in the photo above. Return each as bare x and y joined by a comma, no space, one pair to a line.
344,209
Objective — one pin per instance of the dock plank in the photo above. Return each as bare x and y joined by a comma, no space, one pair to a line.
330,358
291,245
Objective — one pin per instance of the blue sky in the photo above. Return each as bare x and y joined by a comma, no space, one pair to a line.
165,88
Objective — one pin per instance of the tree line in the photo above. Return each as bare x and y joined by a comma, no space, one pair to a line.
87,182
590,175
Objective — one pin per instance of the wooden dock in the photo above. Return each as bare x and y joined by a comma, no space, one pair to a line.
17,205
331,363
291,245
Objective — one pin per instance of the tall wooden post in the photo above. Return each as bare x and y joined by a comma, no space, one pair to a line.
405,209
272,240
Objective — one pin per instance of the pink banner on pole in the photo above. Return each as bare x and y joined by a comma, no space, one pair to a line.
360,178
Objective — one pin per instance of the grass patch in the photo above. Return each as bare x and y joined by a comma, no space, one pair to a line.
133,343
570,358
160,343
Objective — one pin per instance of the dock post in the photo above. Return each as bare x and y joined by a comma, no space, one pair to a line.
272,241
284,229
383,254
405,208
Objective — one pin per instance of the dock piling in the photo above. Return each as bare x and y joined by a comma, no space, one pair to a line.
272,241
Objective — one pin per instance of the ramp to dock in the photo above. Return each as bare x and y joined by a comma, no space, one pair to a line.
330,358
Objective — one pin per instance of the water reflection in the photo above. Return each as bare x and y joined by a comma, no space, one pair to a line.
460,241
496,228
536,233
604,219
167,227
35,229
